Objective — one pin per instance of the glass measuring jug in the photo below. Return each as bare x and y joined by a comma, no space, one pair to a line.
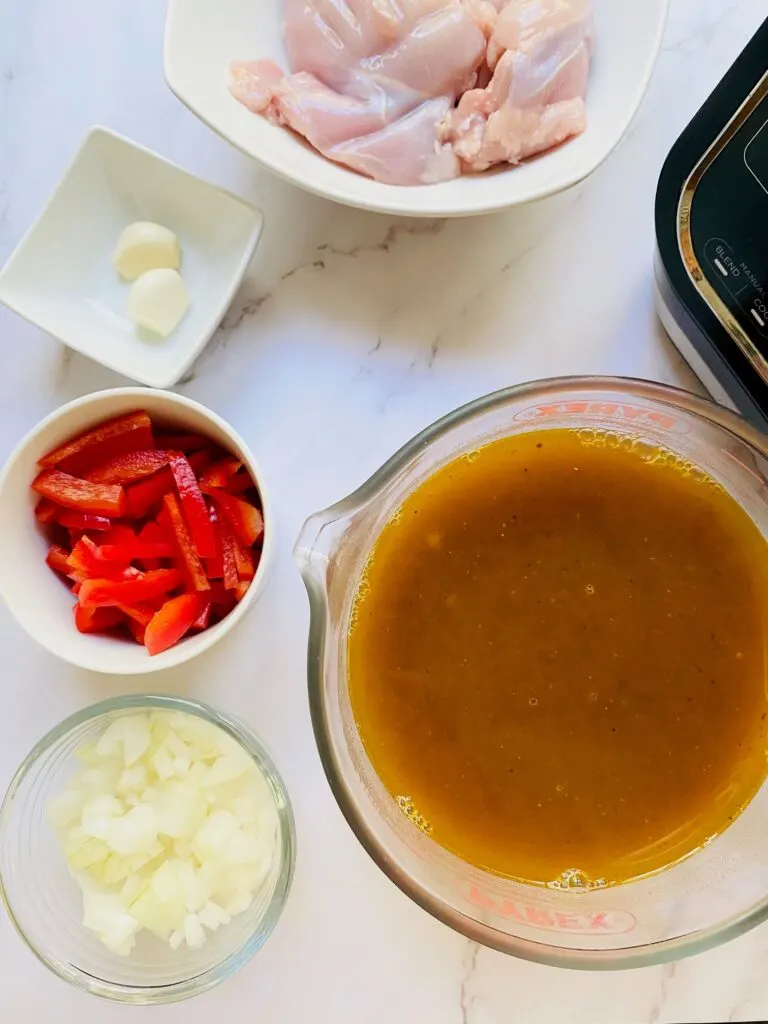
717,893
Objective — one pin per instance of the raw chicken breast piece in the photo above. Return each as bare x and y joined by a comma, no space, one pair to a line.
330,38
484,13
535,98
406,152
326,118
375,82
536,26
253,82
438,57
370,74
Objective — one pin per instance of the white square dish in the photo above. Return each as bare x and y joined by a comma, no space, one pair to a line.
61,278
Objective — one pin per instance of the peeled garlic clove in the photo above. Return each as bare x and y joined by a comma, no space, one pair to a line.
145,246
158,300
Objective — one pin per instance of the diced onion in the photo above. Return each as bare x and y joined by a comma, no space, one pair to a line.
168,826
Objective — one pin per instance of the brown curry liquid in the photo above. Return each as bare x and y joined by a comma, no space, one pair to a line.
558,653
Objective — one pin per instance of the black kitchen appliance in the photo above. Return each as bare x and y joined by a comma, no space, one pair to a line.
711,268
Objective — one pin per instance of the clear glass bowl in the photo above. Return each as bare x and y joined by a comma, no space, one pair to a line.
44,902
717,893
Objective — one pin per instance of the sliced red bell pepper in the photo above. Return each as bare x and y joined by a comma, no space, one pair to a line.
182,442
220,473
86,560
57,559
137,631
244,562
153,542
97,620
228,560
119,533
240,483
199,460
219,594
189,558
222,601
143,587
204,618
214,566
153,538
153,533
231,551
140,550
141,613
127,433
195,510
134,551
46,511
125,469
82,520
81,495
241,589
146,545
141,498
171,623
245,519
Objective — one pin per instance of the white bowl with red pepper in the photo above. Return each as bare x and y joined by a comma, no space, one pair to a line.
135,530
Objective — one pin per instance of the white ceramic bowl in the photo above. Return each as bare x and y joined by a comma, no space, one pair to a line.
61,277
33,593
203,36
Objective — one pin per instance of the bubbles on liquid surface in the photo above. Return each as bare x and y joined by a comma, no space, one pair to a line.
599,437
576,881
407,806
362,591
686,468
651,454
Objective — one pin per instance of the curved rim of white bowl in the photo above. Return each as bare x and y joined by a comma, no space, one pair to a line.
181,652
429,207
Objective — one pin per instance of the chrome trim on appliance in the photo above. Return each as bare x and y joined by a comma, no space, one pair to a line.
692,265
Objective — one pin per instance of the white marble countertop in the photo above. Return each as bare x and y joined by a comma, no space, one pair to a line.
351,332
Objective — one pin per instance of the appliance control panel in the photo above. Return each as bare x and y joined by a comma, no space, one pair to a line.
729,225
